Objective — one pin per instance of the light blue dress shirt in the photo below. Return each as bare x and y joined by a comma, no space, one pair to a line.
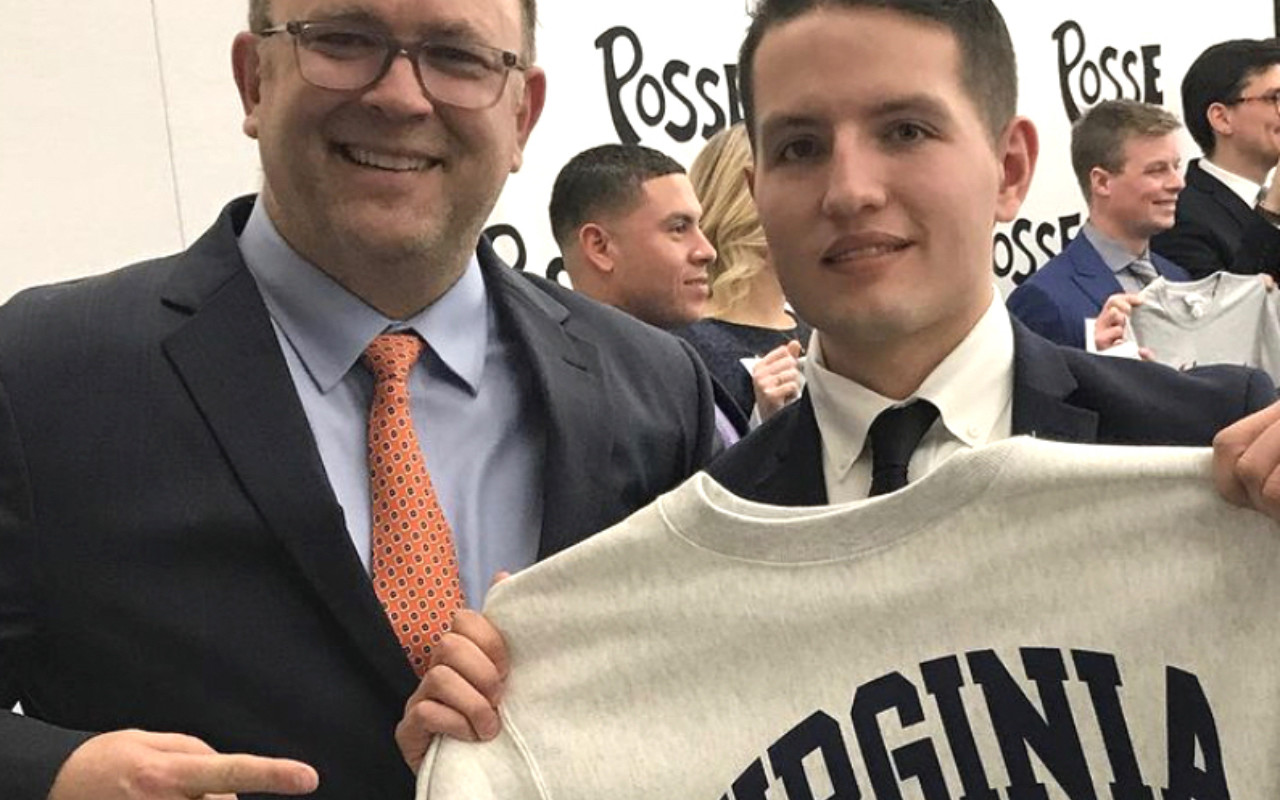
470,400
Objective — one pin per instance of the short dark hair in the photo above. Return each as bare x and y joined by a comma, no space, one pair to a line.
602,181
260,20
1098,137
988,65
1218,75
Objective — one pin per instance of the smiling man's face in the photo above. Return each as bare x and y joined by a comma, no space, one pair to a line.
385,172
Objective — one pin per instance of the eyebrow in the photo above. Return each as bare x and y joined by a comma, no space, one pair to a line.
771,127
451,29
458,30
345,14
918,103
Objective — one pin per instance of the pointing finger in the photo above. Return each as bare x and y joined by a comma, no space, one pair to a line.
201,775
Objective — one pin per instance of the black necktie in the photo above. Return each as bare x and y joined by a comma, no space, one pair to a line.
894,436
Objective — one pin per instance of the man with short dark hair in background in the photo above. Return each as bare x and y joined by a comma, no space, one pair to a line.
626,220
244,489
1125,156
1227,220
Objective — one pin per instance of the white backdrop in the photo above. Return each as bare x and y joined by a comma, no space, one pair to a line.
121,130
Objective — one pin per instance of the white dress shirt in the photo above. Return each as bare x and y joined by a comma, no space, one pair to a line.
1245,189
972,389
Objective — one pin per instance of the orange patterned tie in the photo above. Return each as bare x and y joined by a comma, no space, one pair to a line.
415,568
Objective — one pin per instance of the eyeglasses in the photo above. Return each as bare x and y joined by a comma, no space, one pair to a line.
1270,97
349,58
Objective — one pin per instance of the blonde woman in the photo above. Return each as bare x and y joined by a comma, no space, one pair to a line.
750,341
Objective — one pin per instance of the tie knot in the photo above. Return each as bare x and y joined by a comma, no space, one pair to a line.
1143,270
391,355
894,436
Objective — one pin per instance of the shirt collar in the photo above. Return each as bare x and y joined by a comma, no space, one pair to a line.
971,388
329,327
1115,255
1244,188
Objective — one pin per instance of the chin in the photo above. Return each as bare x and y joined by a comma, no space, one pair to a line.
387,244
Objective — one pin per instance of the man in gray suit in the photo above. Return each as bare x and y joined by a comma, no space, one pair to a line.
185,497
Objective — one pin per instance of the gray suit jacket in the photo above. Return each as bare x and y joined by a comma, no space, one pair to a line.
171,555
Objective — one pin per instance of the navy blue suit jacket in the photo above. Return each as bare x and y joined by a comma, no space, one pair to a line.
1216,231
171,555
1073,286
1059,393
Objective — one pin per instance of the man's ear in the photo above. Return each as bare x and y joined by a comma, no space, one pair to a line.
530,110
1099,182
1219,117
1018,149
596,247
247,67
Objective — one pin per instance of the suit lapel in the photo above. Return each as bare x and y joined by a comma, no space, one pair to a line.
1221,194
780,462
1042,382
229,359
580,420
1091,274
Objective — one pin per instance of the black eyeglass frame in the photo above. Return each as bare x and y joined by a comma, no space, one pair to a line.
503,60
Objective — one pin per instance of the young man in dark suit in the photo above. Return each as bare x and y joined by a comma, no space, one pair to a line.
1227,220
191,563
886,146
1125,156
878,197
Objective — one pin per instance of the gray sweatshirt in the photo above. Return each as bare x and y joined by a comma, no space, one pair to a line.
1096,620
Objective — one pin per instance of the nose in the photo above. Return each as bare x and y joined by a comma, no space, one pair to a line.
703,253
399,93
1177,182
853,181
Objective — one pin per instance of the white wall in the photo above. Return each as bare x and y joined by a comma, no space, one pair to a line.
121,135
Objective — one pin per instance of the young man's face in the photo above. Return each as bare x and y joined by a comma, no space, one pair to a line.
876,178
660,255
1252,126
1140,199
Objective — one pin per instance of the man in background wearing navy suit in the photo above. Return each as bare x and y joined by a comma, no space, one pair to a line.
1125,156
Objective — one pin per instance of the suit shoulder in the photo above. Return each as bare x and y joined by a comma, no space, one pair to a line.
1178,407
1055,269
123,292
604,325
1196,207
1042,286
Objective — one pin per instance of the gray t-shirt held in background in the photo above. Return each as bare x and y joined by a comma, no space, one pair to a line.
1221,319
